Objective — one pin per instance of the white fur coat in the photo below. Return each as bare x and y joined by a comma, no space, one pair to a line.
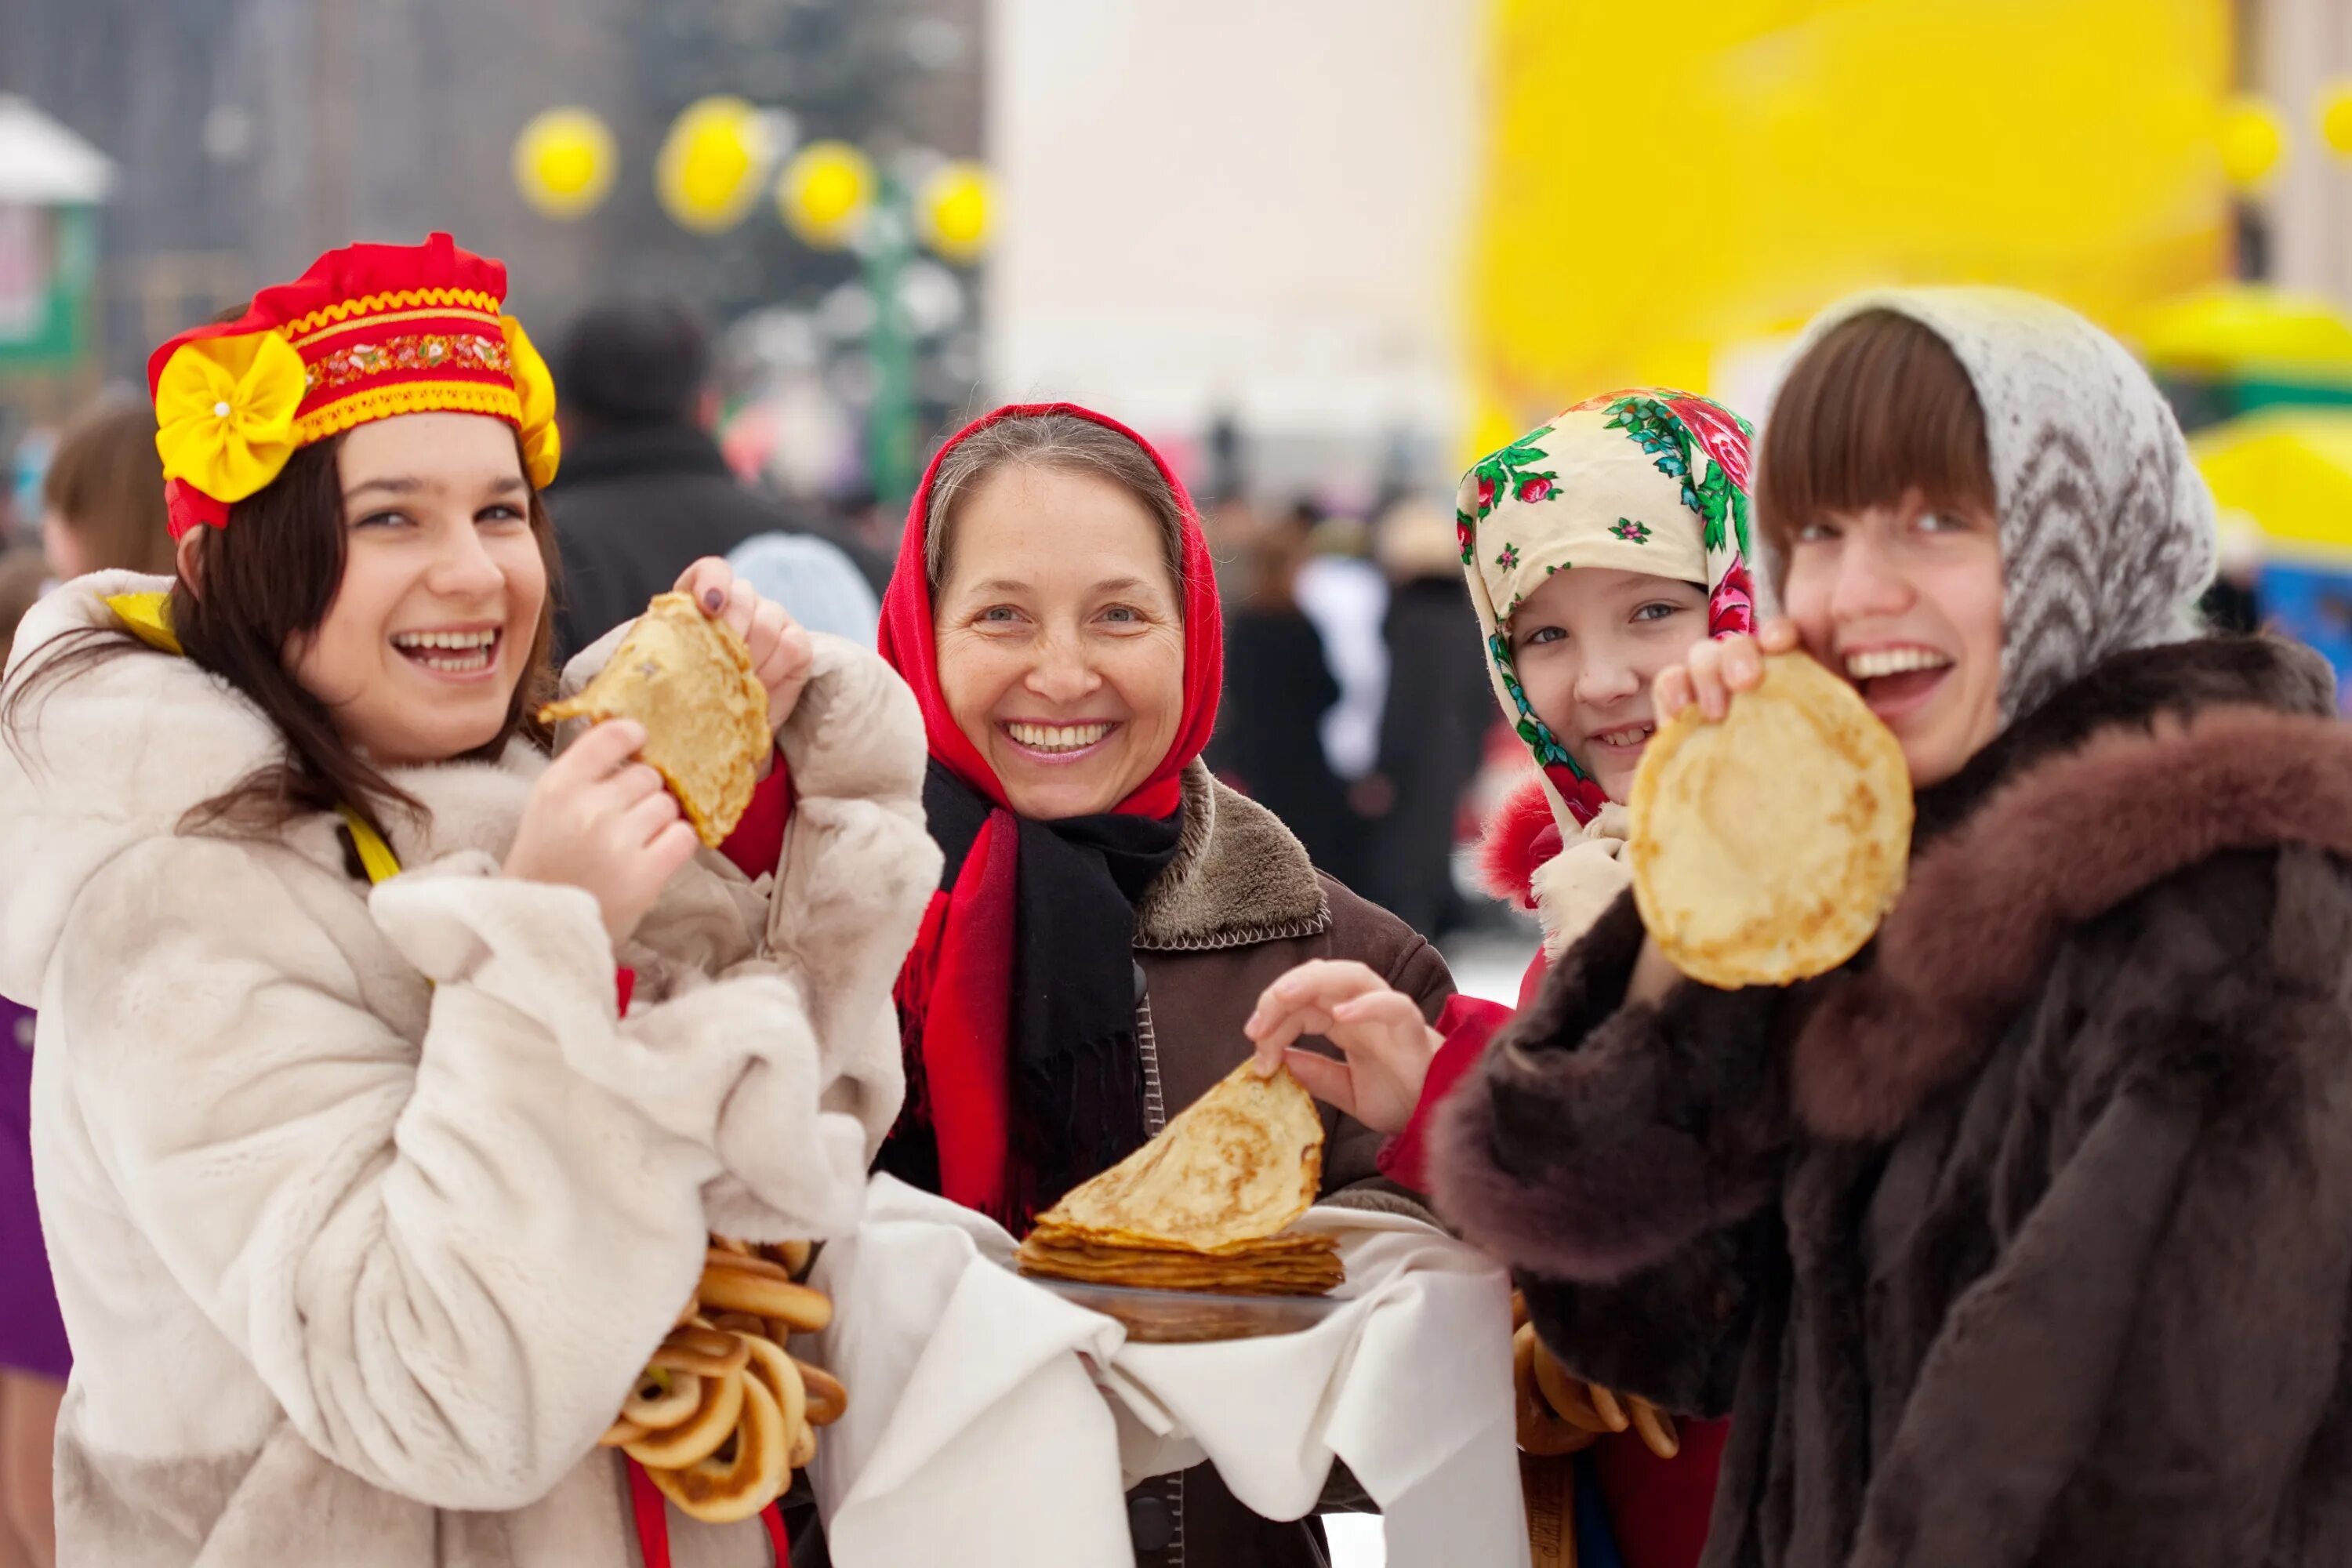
364,1208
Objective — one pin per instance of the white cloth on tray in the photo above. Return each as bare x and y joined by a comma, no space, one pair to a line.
993,1422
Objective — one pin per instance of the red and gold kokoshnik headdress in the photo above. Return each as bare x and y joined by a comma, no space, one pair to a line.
369,331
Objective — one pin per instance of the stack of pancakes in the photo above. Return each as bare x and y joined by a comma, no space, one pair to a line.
1200,1207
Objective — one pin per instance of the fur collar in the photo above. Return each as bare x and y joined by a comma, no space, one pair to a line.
2156,761
1520,837
1239,876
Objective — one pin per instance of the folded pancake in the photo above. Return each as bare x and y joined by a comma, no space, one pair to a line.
1767,848
1238,1164
687,679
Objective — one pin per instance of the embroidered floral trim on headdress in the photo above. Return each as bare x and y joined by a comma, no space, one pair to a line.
368,332
1640,481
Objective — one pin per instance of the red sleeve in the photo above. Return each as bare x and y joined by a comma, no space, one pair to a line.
1658,1509
758,841
1467,1024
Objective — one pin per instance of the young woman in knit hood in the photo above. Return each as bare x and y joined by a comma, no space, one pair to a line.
1599,549
2025,1236
368,1183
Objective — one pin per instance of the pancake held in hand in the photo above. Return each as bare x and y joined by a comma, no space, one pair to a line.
1197,1208
687,679
1766,848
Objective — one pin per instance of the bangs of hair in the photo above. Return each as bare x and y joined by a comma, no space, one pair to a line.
1879,406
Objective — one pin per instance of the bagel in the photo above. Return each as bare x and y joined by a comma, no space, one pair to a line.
794,1256
740,1324
698,1437
767,1292
1657,1429
745,1475
1612,1414
803,1452
775,1372
1568,1397
701,1349
827,1399
728,1245
749,1262
1540,1432
620,1434
663,1398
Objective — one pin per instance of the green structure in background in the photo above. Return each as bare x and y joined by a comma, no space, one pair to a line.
51,183
2238,348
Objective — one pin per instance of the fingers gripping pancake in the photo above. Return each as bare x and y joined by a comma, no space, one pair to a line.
1767,848
687,679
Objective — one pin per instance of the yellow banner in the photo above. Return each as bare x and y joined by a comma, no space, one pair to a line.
1664,184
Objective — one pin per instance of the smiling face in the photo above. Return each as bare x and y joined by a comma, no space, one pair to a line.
1905,601
1061,645
1588,644
432,624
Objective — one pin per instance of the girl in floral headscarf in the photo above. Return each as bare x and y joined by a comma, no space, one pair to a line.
1599,547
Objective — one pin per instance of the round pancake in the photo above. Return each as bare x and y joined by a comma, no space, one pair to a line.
1765,849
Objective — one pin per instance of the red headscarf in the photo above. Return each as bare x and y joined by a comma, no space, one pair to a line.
907,641
956,994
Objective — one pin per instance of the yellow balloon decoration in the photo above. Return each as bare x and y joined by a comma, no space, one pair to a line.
825,193
711,163
957,210
563,162
2253,142
2335,118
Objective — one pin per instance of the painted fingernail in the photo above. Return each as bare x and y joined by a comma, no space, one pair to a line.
712,598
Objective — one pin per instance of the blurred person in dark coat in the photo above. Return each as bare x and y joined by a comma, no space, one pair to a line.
644,491
1278,686
1438,708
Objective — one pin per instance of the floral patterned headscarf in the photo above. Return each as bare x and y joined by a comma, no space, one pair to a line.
1644,480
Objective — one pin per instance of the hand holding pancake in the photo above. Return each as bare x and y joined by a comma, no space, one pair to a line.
1793,879
781,650
1384,1042
597,821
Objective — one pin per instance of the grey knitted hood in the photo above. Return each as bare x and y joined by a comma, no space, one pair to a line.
2106,527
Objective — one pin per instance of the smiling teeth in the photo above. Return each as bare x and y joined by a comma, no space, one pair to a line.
1057,737
1893,661
1633,736
460,640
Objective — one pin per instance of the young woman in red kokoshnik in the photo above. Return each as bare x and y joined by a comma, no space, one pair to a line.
391,1073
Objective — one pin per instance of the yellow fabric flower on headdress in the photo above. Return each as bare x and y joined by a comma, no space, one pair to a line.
224,412
542,445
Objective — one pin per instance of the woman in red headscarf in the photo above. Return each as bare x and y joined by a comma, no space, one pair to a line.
1109,912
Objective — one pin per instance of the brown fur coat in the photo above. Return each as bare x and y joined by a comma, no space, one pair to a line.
2027,1236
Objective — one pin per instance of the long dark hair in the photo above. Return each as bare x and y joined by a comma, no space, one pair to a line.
267,578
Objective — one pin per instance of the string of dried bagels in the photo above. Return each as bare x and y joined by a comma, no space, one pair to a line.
724,1413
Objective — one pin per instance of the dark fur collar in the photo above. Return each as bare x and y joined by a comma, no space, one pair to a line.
2156,761
1239,876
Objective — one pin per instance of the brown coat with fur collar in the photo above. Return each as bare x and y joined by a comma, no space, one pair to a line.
2027,1236
1239,906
